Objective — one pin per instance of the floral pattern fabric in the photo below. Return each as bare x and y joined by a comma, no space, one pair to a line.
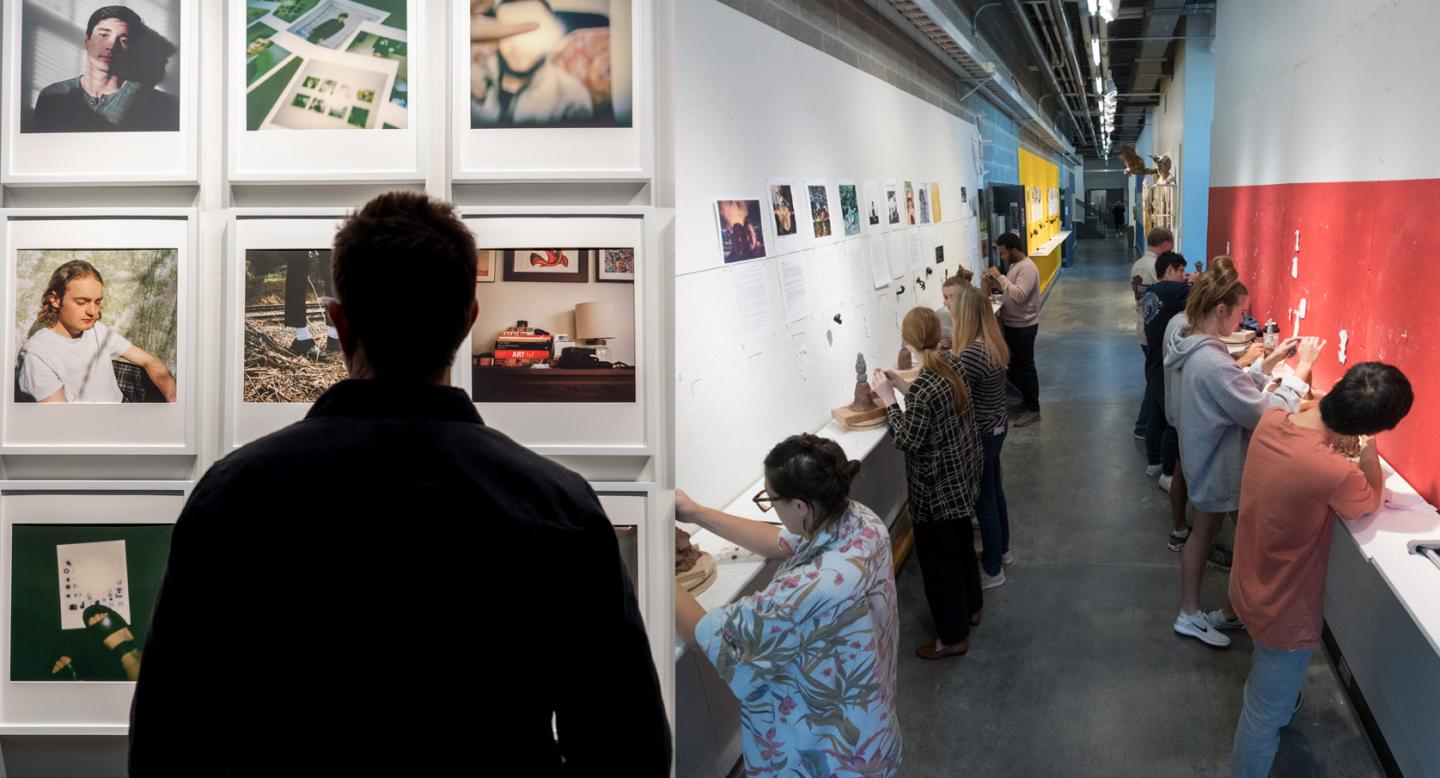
812,656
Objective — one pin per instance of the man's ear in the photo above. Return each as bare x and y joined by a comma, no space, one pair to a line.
474,314
342,324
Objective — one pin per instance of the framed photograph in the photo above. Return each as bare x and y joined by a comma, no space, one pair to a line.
849,208
910,211
282,352
326,90
742,235
566,369
615,266
821,226
484,267
80,567
922,197
99,332
566,266
100,92
557,89
935,202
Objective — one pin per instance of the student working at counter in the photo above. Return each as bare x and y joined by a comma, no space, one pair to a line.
1297,476
811,655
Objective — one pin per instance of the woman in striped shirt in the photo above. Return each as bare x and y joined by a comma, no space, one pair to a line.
981,348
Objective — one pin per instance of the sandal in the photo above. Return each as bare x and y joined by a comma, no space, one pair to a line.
107,626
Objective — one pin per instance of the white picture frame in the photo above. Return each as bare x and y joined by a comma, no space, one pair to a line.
581,429
649,509
98,158
598,154
262,228
316,155
100,429
71,708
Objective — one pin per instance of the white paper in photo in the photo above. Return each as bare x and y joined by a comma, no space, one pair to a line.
894,206
831,225
872,207
831,269
794,287
897,253
90,574
879,265
786,229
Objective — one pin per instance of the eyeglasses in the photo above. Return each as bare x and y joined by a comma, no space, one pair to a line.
764,501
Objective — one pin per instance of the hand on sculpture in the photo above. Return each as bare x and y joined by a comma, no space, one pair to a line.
1281,353
1367,452
880,383
1255,351
900,385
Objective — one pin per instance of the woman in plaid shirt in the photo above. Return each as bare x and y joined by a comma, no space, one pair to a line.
943,462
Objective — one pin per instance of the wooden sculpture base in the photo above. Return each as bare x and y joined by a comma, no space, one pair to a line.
699,578
859,420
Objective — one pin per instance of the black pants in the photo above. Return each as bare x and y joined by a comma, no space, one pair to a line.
1160,438
297,284
952,578
1021,341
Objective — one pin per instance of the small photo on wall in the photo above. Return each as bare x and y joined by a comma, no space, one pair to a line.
935,202
616,265
742,236
782,204
873,204
922,195
96,326
850,208
892,205
100,67
910,213
819,210
550,63
484,266
292,349
80,599
326,65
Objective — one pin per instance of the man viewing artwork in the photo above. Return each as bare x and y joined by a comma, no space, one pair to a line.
124,60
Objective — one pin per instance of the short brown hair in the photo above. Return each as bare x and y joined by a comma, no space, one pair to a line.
1158,237
405,264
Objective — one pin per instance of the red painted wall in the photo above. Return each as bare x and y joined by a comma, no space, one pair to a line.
1366,255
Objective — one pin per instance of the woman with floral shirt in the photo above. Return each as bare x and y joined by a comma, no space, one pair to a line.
812,655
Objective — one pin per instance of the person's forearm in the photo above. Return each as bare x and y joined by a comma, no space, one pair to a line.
757,536
164,380
688,613
1375,475
1302,371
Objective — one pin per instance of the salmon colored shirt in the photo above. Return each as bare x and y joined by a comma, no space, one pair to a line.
1294,484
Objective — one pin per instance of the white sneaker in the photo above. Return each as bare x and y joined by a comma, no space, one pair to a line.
1218,621
1152,470
1165,482
987,582
1007,559
1197,625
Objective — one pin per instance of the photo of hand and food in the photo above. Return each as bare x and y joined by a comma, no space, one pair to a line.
95,326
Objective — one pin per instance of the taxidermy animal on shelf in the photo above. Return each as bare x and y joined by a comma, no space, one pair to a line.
550,258
1134,163
1162,169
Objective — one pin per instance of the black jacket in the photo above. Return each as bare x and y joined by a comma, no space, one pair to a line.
391,587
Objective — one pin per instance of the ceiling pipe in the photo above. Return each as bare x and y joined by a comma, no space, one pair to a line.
1069,41
1039,52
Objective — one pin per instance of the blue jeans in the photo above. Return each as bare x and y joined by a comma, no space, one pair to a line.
1142,421
1276,677
990,506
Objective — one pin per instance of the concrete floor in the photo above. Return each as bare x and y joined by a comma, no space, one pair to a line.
1075,670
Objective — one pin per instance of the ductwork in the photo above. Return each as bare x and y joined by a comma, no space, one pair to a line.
1069,40
1161,19
1038,51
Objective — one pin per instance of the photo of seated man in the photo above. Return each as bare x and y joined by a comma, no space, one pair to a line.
549,63
124,62
71,356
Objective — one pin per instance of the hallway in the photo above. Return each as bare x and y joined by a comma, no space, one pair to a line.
1075,670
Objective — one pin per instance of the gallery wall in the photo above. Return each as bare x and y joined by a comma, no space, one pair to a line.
1324,195
755,104
1181,127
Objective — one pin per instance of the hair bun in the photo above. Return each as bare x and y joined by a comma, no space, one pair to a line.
850,469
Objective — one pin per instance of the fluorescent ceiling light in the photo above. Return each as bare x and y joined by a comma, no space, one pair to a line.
1099,87
1107,10
1093,7
1095,50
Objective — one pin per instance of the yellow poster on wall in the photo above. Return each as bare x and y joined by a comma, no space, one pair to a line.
1042,214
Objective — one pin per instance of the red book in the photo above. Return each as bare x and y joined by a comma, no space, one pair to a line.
521,354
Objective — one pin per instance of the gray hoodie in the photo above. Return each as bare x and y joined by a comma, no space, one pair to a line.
1216,405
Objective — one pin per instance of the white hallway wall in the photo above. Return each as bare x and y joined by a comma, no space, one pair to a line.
752,104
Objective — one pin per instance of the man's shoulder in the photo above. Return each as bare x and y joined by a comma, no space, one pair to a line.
60,88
